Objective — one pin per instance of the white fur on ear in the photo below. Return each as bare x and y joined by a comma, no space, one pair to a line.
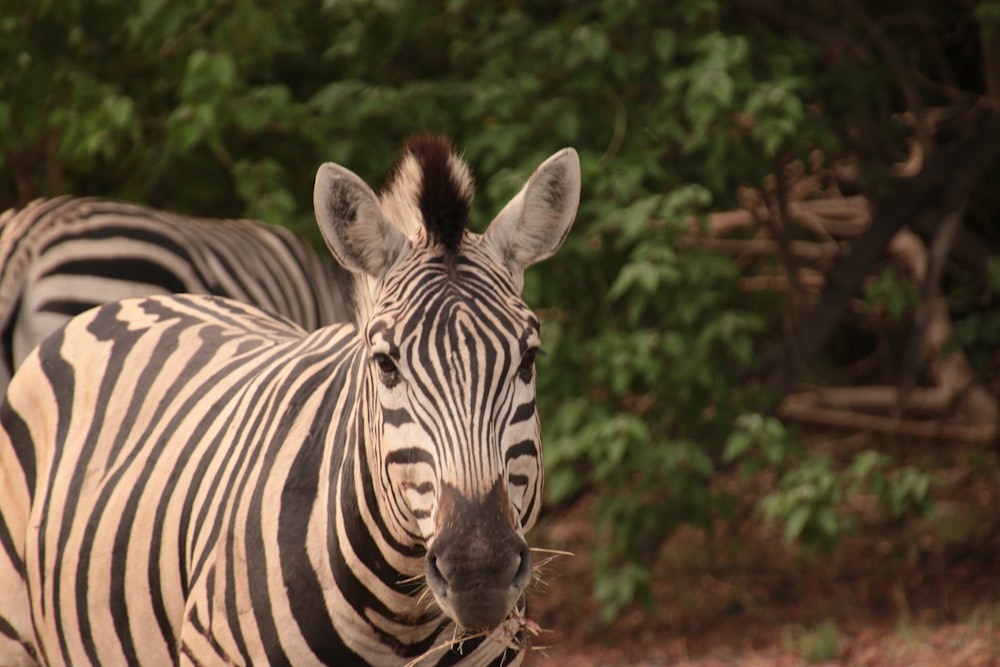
353,225
533,225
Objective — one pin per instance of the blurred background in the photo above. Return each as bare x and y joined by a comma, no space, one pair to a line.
770,391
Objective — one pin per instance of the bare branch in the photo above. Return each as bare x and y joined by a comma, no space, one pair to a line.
926,430
944,184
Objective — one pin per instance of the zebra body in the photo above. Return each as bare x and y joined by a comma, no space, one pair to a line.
62,256
189,480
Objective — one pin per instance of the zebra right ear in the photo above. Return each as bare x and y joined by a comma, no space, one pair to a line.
353,225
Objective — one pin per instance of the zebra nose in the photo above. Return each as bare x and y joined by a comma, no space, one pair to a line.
479,587
514,568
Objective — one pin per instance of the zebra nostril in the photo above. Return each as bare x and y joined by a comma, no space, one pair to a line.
523,574
434,575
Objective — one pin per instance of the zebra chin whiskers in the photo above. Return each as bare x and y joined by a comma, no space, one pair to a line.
538,567
416,585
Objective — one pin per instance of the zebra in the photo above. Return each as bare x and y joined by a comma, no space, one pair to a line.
62,256
190,480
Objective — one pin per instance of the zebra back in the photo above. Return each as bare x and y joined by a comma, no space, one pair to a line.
62,256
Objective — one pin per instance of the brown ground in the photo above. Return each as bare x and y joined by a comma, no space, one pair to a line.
923,593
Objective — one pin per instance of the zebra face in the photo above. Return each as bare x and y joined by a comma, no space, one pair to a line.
457,443
453,434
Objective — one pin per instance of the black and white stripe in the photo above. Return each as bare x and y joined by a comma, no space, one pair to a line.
62,256
189,480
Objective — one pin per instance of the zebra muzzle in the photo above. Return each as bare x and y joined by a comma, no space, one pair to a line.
478,565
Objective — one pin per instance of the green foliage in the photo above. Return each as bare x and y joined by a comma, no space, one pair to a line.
660,382
892,295
226,107
806,501
811,497
812,494
758,443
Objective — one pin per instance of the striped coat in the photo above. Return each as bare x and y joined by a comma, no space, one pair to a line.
62,256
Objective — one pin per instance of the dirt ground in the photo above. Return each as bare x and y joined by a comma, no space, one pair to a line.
923,593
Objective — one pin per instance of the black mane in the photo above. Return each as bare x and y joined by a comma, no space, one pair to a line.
444,197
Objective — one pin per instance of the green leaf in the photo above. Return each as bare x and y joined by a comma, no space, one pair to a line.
209,77
796,521
738,444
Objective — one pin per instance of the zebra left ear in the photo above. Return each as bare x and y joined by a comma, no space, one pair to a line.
533,225
354,227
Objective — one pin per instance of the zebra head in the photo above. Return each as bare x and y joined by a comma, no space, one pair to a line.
453,440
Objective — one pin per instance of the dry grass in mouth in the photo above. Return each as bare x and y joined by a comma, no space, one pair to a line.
512,633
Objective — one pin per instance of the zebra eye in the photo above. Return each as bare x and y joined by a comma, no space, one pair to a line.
526,369
386,368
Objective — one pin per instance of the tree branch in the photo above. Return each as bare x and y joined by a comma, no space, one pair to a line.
944,184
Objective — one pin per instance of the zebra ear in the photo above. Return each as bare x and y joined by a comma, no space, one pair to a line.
533,225
353,225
